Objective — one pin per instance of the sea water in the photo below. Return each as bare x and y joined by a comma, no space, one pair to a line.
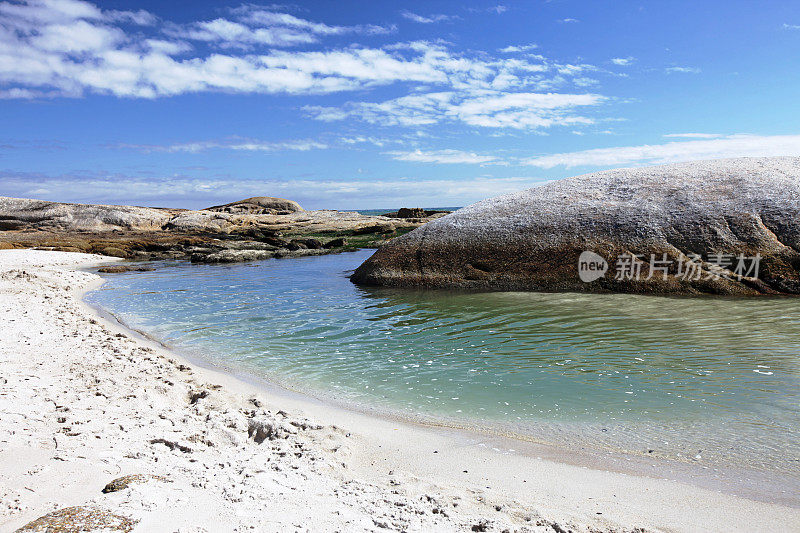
707,379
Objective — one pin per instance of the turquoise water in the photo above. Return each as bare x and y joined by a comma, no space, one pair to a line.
713,380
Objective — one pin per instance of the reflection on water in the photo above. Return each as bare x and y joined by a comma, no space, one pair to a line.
711,377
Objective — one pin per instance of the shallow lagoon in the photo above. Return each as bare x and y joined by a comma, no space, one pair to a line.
711,380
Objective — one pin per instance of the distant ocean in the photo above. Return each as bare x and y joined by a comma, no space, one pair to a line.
391,210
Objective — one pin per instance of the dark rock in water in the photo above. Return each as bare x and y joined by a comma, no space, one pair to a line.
75,519
119,269
415,212
335,243
633,230
407,212
259,205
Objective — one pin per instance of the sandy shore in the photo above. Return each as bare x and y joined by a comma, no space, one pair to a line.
84,401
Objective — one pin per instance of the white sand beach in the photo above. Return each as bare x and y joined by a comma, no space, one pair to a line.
84,401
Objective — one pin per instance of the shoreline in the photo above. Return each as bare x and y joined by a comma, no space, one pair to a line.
735,480
381,457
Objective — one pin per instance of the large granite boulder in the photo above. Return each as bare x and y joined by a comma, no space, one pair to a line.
259,205
698,227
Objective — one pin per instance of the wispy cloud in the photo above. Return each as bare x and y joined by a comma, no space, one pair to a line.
444,157
569,20
254,25
693,135
740,145
791,26
682,70
490,109
498,9
191,192
426,19
623,61
512,49
236,144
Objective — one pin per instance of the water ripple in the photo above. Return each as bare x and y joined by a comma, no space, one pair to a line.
717,374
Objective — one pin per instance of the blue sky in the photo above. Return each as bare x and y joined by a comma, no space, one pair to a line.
379,105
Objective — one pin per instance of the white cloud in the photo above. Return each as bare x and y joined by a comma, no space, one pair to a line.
77,36
16,93
254,25
693,135
491,109
569,20
511,49
425,19
237,35
70,48
169,48
190,192
444,157
239,145
496,10
740,145
140,17
682,70
623,61
791,27
259,16
363,139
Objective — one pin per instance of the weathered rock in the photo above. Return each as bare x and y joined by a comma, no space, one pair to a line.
113,251
381,227
200,222
143,233
309,243
41,214
416,212
79,519
119,269
7,225
410,212
259,205
232,256
531,240
124,482
335,243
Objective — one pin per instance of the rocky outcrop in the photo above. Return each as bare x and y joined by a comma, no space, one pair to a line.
209,236
259,205
21,213
416,212
640,230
